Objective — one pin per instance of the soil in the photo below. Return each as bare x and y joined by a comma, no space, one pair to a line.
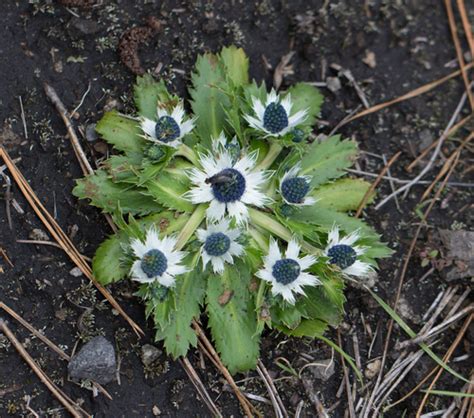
390,48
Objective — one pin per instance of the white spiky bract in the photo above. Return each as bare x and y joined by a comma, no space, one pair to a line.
256,120
148,126
358,268
287,291
235,249
212,164
166,246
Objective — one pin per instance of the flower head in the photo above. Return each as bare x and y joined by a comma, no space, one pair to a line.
274,116
157,260
286,274
294,188
228,184
169,128
343,253
219,245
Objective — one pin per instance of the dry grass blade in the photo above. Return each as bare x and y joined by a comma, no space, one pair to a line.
420,90
3,253
46,340
425,152
350,401
467,26
447,164
73,409
446,358
375,184
278,405
401,280
201,389
457,45
246,405
59,235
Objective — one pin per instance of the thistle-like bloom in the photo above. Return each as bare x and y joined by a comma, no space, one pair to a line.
169,128
294,188
286,274
228,184
157,260
274,116
343,253
219,245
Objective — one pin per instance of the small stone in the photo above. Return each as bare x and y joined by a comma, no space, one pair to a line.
156,411
333,84
373,369
91,134
426,139
323,369
95,361
369,59
85,26
150,354
39,235
76,272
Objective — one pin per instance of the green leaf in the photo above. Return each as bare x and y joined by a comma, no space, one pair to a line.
121,132
208,100
328,159
121,169
169,192
309,328
343,195
288,315
109,196
305,96
232,318
324,302
178,334
412,334
107,264
148,93
236,65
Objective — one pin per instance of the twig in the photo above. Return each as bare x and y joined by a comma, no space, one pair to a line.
23,118
457,46
313,397
433,156
82,100
193,376
48,243
275,404
76,145
59,235
375,184
246,405
392,185
39,372
8,199
350,77
344,120
420,90
3,253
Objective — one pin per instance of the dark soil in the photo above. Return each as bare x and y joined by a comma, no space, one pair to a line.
45,41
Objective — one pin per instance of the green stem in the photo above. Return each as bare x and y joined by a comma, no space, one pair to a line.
188,230
272,154
267,222
188,153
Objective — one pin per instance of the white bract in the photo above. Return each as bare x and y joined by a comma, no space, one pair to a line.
169,128
219,245
227,183
286,274
157,260
294,188
274,115
343,253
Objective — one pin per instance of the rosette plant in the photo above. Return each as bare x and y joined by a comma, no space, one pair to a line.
229,208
